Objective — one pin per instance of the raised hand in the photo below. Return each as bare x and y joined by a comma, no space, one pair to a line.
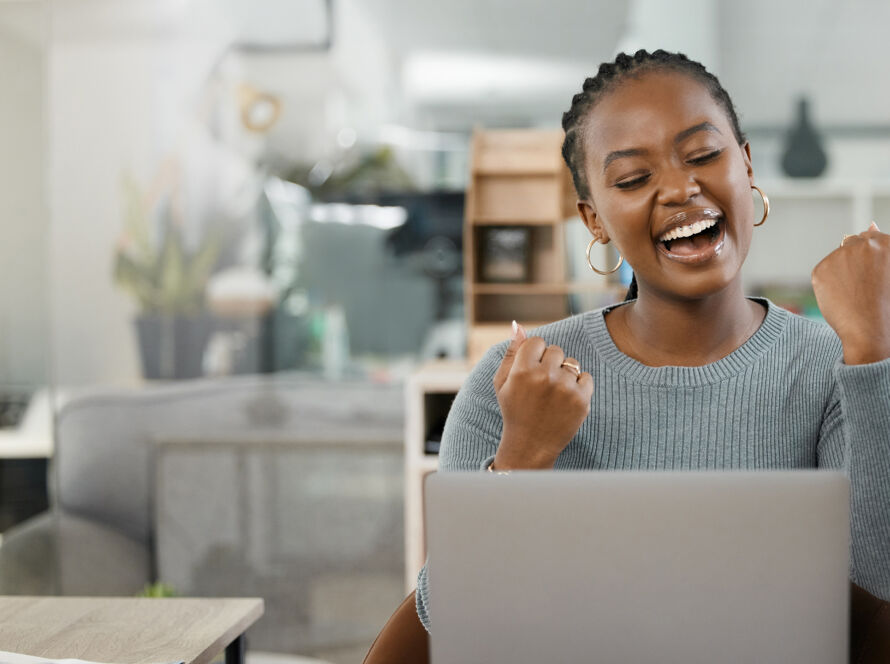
543,403
852,287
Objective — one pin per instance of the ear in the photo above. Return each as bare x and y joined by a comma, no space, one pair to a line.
591,219
746,155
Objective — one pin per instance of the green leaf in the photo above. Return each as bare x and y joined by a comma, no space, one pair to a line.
158,590
162,275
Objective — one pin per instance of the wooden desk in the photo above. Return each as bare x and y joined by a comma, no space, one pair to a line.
127,630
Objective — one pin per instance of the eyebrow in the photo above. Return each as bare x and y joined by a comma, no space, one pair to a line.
701,126
682,136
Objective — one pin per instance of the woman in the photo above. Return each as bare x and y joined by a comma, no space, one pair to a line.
688,372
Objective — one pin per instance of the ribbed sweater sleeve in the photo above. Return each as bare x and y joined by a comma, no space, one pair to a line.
782,400
858,432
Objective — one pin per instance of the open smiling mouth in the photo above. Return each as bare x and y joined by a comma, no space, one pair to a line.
695,242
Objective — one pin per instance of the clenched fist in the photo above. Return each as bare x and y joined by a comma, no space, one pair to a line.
543,403
852,287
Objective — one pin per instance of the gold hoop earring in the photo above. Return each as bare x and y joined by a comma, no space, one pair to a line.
765,204
590,263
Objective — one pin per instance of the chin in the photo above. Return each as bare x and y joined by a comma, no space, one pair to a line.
700,285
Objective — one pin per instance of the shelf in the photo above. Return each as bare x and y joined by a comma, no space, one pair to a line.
516,170
823,188
440,375
485,335
428,463
503,308
809,189
528,161
504,328
557,288
505,198
481,221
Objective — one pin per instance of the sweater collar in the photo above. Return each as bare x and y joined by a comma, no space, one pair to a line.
741,358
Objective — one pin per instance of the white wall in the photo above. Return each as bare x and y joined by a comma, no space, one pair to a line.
129,88
353,85
23,219
124,78
834,51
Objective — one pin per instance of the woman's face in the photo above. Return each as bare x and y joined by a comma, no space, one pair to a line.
669,184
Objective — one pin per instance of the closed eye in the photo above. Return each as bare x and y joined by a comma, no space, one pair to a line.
633,182
705,158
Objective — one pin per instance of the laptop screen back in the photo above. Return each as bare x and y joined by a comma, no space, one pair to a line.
638,567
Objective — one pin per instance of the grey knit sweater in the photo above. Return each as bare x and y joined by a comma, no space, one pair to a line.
784,399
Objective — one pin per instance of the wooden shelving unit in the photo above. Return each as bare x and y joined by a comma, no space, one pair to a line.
518,180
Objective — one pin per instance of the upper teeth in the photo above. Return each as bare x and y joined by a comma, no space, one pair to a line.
686,231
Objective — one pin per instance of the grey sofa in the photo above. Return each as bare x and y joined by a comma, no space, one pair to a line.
98,536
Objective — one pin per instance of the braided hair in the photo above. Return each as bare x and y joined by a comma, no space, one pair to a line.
609,76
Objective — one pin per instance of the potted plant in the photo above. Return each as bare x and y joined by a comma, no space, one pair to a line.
167,278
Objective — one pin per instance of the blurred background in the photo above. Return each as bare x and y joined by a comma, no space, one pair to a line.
232,233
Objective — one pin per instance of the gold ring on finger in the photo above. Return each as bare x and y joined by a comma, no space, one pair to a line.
574,366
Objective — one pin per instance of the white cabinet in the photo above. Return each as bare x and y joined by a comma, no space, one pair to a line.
429,393
807,221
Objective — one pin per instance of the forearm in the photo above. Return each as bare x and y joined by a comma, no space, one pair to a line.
403,640
865,403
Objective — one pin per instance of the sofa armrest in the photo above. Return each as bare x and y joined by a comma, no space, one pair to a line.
64,554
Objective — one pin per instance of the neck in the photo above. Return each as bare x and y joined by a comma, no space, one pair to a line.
658,330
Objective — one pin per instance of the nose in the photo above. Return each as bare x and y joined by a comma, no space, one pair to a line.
677,186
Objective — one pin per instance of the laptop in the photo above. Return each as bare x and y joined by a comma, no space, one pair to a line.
638,567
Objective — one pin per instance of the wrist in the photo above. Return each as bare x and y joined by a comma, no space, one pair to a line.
865,353
505,459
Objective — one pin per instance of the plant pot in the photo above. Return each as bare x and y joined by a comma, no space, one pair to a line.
172,347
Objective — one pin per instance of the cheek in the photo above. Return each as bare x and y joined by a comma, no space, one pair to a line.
625,220
744,212
737,194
